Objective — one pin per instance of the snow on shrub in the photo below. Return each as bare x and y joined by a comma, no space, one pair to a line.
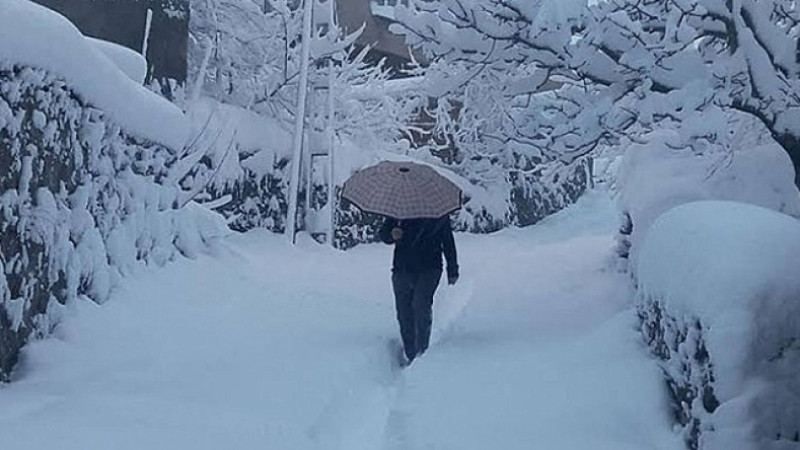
719,298
663,172
241,167
85,192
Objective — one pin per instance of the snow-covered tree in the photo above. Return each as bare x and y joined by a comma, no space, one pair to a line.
373,109
638,62
246,54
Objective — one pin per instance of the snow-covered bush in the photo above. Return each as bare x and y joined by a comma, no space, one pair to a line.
664,169
85,191
719,300
724,157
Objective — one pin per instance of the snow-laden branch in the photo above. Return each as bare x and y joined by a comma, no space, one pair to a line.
738,54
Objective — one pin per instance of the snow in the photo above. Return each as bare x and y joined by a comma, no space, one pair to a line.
550,13
741,248
265,345
259,140
655,176
734,267
128,61
57,46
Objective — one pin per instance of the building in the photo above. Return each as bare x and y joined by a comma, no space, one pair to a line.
376,16
124,22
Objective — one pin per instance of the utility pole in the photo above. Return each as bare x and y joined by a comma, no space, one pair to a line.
331,135
148,23
299,122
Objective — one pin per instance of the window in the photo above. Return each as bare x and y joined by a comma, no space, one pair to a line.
385,8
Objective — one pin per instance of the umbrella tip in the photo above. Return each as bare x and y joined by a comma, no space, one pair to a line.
404,169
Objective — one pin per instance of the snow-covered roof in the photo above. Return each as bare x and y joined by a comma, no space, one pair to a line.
33,35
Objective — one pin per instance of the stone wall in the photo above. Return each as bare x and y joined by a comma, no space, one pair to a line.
82,203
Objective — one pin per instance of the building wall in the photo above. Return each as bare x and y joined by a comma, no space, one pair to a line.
123,22
352,14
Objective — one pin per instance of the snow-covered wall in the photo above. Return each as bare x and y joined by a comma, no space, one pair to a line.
660,173
719,299
132,64
35,36
124,22
85,191
82,202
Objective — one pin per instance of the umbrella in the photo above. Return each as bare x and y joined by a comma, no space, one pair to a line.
402,190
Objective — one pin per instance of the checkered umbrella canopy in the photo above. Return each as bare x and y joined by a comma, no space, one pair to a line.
402,190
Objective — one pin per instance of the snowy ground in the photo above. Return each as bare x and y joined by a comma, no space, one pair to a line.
266,346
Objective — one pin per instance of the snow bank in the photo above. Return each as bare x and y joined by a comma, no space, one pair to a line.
32,35
720,302
128,61
658,175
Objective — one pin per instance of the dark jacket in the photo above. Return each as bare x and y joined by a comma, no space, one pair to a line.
421,247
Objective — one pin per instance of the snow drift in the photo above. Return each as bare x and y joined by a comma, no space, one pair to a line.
719,300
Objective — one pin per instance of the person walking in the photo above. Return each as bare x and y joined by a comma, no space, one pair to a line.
416,201
416,270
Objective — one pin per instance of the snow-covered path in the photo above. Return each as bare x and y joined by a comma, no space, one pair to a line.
263,346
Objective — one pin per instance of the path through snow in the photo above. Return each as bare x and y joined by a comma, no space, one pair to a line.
266,346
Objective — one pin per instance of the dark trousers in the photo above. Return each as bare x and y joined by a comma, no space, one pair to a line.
413,294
